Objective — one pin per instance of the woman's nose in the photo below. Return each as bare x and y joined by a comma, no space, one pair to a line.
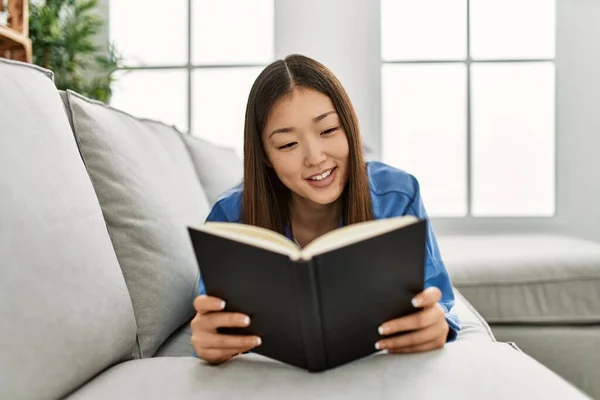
314,155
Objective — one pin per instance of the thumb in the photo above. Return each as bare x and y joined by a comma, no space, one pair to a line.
427,297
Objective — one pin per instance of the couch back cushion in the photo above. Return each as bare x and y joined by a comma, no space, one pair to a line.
150,194
219,168
65,313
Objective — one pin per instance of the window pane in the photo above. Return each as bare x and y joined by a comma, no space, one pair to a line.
158,95
150,32
513,29
219,104
423,29
513,139
232,31
424,130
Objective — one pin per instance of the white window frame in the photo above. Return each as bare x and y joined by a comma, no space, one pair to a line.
473,224
188,67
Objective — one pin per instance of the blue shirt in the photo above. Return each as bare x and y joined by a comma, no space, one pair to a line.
393,193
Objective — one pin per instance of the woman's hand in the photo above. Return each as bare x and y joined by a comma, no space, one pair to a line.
429,326
211,346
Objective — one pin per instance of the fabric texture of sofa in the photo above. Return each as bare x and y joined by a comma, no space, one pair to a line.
541,291
98,275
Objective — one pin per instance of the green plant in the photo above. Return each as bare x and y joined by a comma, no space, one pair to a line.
62,34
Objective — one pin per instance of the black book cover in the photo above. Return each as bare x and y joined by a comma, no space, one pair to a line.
319,313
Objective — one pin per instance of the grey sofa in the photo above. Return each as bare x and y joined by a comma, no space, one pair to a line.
541,291
98,275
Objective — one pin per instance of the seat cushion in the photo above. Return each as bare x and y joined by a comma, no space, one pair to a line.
462,370
570,351
65,313
178,345
527,278
473,326
219,168
150,194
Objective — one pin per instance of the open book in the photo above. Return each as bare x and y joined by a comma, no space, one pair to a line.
320,306
273,241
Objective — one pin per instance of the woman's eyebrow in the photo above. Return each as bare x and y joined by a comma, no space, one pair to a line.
282,130
320,117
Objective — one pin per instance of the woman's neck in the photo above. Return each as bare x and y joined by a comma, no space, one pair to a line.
311,220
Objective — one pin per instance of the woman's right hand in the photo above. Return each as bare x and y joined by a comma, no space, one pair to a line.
211,346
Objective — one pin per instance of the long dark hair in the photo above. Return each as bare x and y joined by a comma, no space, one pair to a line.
265,198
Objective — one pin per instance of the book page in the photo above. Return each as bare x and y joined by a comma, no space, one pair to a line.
254,235
355,233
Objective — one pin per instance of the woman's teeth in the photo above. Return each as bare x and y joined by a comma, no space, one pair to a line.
322,176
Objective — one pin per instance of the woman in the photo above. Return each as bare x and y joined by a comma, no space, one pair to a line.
304,175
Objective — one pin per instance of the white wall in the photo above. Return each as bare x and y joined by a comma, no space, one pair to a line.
578,119
343,35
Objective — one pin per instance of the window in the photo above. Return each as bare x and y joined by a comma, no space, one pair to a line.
191,63
468,103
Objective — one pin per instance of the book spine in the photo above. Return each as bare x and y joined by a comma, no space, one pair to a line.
309,314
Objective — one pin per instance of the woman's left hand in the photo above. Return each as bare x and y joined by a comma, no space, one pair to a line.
429,327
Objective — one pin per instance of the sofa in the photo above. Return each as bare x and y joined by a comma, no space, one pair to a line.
539,290
98,273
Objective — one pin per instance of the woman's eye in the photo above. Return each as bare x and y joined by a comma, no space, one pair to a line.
328,131
286,146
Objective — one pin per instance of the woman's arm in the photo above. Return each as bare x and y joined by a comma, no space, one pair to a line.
433,324
436,274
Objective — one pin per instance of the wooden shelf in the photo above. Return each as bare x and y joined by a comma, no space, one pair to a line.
9,38
14,38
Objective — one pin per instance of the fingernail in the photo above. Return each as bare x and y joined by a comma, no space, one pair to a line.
258,341
378,346
416,302
381,330
246,320
222,304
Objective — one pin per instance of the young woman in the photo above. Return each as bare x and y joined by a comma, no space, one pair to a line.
304,175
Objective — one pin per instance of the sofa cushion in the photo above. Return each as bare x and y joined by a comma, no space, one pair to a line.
473,326
178,345
570,351
65,314
462,370
150,194
527,278
219,168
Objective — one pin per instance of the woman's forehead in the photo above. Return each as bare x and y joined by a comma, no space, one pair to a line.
303,106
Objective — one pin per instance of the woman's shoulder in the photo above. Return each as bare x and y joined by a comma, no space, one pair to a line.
227,208
385,179
394,192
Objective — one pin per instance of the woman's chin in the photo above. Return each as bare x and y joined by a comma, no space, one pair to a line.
325,198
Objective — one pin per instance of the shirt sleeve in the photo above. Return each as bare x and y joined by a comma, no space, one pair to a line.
216,215
435,270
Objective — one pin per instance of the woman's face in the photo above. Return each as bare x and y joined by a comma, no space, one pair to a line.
307,146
